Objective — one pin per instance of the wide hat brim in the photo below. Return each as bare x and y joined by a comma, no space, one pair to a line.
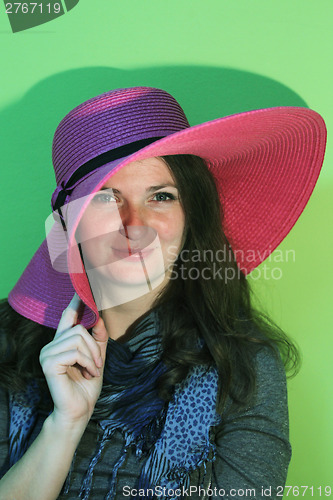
266,164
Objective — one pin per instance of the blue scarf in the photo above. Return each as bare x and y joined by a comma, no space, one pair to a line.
172,439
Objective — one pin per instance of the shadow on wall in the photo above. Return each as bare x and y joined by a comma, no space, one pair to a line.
29,124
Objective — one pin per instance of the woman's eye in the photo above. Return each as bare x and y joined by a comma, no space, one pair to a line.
164,197
103,198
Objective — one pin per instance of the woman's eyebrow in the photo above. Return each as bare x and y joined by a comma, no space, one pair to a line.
148,190
160,186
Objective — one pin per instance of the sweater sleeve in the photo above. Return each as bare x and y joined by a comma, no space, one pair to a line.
253,449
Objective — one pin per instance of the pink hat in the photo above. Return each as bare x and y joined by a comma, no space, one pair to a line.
265,162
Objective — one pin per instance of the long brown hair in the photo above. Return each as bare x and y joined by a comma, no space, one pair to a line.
210,299
207,319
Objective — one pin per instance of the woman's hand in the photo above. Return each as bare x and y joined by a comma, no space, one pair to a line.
73,364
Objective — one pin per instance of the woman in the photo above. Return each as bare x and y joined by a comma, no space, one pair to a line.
158,378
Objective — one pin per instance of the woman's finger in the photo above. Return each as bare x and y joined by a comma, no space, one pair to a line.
80,336
70,343
58,364
101,336
69,315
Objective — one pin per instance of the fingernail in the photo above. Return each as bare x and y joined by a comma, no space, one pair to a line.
98,372
99,362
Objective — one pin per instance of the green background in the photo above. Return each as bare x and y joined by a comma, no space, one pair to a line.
217,57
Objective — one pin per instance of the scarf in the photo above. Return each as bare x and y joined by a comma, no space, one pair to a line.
172,440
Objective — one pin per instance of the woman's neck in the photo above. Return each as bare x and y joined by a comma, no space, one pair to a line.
119,318
122,305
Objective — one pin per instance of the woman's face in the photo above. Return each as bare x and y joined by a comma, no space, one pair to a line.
132,230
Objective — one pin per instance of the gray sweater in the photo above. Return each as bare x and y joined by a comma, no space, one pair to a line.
253,450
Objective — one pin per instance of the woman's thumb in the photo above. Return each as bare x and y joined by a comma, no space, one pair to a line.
101,336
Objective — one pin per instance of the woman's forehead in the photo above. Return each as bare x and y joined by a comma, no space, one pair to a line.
151,172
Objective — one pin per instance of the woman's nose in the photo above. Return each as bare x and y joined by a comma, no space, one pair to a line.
134,224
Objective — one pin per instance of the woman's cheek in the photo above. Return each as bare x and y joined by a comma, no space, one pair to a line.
93,228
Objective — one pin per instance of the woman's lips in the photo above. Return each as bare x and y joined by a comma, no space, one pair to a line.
133,254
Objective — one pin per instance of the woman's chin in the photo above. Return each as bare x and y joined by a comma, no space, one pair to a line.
122,282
